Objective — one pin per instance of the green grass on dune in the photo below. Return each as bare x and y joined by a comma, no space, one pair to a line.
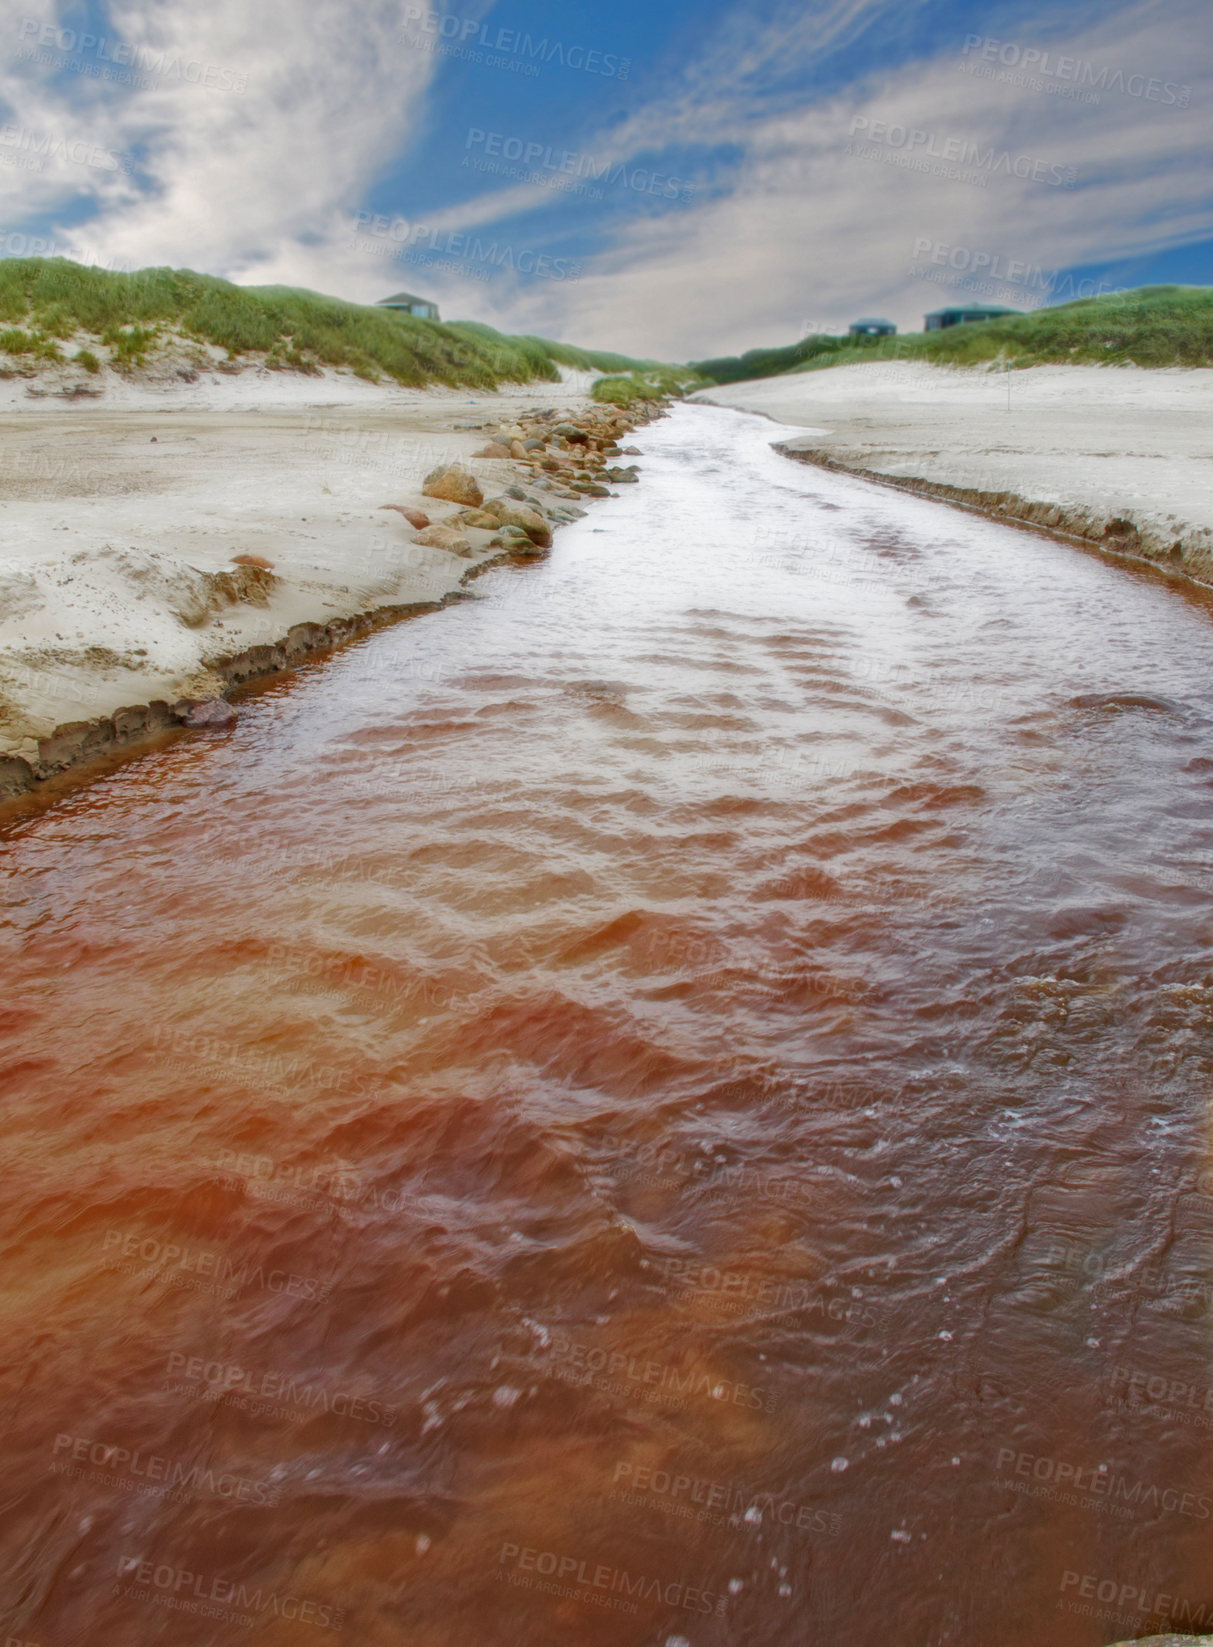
769,362
654,383
44,301
564,354
1150,326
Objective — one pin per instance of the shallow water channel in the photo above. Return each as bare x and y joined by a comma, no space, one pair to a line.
667,1104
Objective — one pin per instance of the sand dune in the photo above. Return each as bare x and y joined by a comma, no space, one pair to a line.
1121,456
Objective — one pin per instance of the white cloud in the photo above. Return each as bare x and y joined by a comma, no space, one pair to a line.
242,184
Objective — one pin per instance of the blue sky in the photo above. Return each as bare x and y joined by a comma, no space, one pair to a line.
677,180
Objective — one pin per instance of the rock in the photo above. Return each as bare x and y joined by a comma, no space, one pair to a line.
518,543
454,483
446,537
479,518
253,560
494,449
593,490
534,445
570,431
622,477
413,516
521,514
517,449
515,492
211,712
631,451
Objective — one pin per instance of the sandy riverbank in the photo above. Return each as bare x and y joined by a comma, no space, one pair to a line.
1117,456
122,516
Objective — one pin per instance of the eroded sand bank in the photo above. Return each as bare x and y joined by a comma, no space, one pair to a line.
1118,456
122,516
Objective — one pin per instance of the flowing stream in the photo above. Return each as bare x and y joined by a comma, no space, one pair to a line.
666,1104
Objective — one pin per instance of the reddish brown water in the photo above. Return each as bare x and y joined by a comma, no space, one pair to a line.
666,1104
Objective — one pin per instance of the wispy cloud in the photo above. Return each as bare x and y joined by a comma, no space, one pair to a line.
807,233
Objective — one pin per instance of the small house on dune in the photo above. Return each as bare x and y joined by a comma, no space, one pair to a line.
409,303
960,313
872,326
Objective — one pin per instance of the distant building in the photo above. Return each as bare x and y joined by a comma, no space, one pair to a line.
410,304
962,312
871,326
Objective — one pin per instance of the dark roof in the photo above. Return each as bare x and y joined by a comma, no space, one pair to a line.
974,309
406,297
871,320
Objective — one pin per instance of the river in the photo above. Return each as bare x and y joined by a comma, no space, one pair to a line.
666,1104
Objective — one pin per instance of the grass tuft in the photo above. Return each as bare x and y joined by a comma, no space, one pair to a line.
655,383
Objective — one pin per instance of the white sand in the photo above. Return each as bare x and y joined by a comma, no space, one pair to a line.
1099,443
115,514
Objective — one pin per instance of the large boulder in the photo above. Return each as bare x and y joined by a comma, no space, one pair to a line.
507,513
494,449
445,537
455,484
